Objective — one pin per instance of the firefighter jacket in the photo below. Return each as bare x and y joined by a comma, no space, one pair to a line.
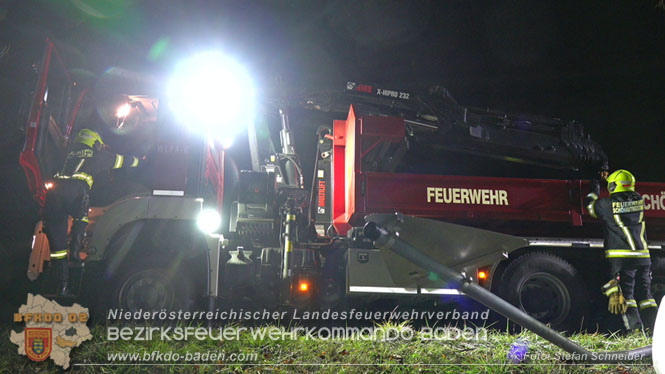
623,216
86,164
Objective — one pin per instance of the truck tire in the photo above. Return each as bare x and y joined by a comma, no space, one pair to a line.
548,288
153,287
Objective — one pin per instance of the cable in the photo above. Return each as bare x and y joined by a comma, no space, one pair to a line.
296,164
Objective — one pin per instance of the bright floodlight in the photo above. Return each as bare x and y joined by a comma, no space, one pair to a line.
123,110
212,95
209,221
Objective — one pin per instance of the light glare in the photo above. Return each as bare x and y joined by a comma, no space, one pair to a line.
212,95
123,110
209,221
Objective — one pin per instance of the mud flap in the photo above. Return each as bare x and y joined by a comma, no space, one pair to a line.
41,251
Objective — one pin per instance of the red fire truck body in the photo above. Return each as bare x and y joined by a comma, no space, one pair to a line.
478,201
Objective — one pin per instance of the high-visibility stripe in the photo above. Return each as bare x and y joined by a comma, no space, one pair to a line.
84,219
119,160
591,207
610,284
648,303
84,177
135,163
78,167
642,238
626,253
629,237
631,303
611,291
87,178
59,254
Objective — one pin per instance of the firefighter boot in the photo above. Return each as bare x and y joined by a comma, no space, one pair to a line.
62,267
649,319
632,320
78,230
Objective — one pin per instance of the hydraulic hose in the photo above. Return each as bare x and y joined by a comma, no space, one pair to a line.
386,240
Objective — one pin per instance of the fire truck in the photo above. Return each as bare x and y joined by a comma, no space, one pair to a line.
258,222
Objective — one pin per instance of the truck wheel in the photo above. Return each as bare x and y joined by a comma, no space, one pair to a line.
548,288
152,287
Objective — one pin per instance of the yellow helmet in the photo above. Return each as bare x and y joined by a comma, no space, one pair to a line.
88,137
620,181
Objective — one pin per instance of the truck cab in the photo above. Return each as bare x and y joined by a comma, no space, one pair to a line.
142,243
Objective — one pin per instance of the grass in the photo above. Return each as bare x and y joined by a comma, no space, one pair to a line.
305,355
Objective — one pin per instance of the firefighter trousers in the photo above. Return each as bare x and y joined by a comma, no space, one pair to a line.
67,198
635,283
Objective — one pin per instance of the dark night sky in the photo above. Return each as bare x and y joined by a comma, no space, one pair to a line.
600,62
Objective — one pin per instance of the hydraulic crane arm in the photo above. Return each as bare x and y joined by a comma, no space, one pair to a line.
436,121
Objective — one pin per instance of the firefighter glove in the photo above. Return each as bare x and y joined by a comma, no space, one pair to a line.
617,304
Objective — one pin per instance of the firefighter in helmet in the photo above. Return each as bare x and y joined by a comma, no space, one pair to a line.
622,213
87,159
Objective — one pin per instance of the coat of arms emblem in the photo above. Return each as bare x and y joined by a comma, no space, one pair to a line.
38,343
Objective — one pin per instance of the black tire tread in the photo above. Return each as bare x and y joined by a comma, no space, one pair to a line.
515,266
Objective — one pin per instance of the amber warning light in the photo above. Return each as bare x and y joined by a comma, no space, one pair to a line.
303,286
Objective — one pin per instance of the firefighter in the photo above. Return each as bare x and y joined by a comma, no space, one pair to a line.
622,213
69,196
